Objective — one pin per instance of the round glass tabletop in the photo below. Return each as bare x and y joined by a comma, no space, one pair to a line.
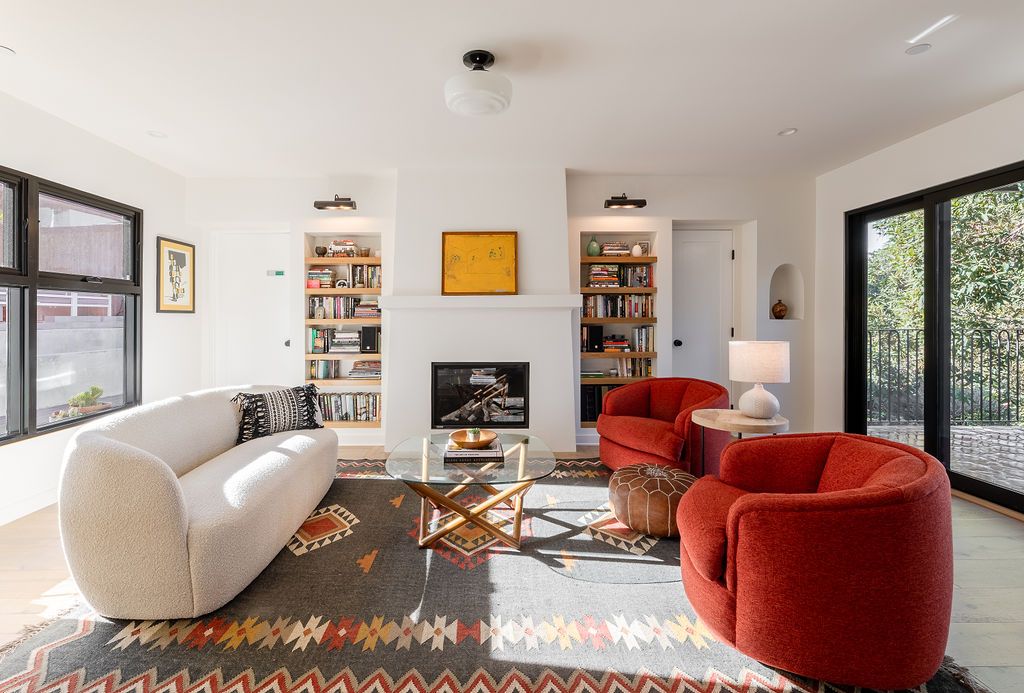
421,460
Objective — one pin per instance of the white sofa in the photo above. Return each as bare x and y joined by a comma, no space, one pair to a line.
162,516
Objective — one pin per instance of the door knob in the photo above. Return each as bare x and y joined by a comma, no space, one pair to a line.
677,342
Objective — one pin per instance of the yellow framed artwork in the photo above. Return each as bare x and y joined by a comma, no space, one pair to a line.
479,263
175,276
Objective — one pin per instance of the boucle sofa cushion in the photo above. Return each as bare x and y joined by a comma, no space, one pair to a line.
266,413
245,504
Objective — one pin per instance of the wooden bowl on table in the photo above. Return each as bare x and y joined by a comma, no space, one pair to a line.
461,438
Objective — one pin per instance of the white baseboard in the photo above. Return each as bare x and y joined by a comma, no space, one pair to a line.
587,436
27,506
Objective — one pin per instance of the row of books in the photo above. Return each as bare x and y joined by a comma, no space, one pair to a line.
349,406
614,276
328,340
619,306
368,276
340,307
635,368
615,248
591,399
325,369
593,339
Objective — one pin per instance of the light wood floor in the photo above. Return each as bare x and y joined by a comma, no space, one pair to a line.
987,634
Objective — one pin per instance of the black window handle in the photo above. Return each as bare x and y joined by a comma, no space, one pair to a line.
92,280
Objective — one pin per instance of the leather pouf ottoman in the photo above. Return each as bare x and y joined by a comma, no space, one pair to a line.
644,497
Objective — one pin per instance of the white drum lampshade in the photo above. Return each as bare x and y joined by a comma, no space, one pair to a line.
478,93
758,363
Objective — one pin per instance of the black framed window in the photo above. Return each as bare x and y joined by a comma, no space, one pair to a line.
70,305
935,327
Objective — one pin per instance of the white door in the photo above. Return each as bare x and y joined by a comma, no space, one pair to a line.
250,305
701,303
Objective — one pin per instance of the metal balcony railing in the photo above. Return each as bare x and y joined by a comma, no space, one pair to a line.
986,376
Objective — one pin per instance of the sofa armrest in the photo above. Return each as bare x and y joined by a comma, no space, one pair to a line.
124,529
868,559
776,464
628,400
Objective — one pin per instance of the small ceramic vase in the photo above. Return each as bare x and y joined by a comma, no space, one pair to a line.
593,248
780,310
636,250
320,251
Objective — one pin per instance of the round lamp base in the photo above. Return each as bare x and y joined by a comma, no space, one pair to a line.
758,403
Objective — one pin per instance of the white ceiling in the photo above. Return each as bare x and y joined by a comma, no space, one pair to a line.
320,87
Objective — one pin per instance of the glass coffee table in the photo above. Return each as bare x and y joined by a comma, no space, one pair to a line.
419,463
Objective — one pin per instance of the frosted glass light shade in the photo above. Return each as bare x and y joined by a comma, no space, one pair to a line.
759,362
477,93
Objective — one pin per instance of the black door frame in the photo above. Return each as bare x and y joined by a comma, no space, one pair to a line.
934,202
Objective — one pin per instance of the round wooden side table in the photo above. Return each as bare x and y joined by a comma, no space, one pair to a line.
734,421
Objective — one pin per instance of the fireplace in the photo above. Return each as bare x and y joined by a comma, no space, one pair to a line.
487,394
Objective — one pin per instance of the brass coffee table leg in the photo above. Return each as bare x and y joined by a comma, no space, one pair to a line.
475,514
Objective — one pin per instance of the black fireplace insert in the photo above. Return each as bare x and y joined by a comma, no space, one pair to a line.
487,394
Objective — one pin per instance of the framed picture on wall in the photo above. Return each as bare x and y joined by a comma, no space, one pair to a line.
175,276
478,263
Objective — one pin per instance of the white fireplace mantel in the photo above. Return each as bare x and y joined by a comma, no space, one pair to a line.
519,301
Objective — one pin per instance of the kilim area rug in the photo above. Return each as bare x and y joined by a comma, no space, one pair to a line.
351,604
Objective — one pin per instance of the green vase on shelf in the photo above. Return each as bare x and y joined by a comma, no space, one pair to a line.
593,248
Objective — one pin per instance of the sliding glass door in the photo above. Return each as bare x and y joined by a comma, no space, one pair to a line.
935,325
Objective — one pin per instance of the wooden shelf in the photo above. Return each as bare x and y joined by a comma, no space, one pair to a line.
344,321
618,321
368,382
343,260
351,424
612,381
622,260
343,292
586,290
619,355
342,355
588,424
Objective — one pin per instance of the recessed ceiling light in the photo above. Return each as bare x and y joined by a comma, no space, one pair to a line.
948,19
918,48
157,134
7,50
787,132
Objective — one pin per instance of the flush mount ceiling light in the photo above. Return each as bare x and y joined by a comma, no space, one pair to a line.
787,132
623,202
478,92
346,203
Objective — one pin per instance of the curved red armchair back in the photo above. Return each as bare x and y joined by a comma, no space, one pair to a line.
649,423
828,555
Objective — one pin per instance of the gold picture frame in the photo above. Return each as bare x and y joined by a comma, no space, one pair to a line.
175,276
479,263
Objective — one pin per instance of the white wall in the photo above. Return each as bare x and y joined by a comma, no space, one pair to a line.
40,144
773,220
985,139
529,201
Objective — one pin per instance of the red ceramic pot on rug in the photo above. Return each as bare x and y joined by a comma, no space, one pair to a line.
649,423
827,555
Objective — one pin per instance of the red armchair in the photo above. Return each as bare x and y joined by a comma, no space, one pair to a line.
827,555
649,423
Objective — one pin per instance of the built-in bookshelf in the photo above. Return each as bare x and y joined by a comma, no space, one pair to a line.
618,319
343,329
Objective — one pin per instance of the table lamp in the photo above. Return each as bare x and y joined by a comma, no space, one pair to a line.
758,363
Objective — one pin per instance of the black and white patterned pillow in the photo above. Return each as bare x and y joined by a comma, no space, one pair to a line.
266,413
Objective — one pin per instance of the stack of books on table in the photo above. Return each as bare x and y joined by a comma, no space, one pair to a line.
603,277
453,454
365,370
615,248
367,309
